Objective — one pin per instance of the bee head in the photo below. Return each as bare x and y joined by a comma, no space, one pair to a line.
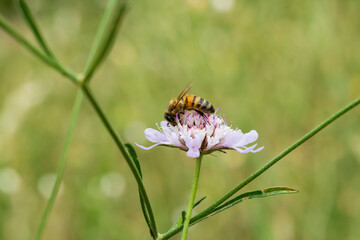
170,118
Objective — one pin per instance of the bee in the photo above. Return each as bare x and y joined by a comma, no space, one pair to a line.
177,106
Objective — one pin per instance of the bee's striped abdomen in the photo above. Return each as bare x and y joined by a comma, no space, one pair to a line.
199,104
207,106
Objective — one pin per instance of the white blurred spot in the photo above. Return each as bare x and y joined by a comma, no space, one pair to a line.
18,104
46,184
66,24
112,184
10,181
222,5
134,132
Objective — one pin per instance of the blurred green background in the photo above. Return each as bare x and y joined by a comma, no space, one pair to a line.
280,67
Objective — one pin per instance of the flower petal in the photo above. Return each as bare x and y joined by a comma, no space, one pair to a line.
247,138
194,145
164,124
155,136
257,150
147,148
193,153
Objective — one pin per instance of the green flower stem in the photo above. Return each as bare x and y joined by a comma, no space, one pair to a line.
306,137
50,61
62,163
110,22
33,26
126,155
192,197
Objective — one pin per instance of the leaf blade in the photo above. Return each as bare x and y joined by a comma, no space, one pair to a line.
133,155
105,36
266,192
29,18
199,201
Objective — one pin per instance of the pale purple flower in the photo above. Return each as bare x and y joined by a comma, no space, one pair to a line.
201,134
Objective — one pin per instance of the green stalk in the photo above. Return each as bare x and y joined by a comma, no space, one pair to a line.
192,197
61,165
125,153
34,28
289,149
105,36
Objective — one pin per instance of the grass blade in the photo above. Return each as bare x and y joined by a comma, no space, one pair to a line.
33,26
62,163
267,192
105,36
183,213
133,154
199,201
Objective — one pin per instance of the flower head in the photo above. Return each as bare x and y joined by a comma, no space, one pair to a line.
197,134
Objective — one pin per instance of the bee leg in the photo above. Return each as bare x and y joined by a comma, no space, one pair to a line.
203,115
179,116
199,112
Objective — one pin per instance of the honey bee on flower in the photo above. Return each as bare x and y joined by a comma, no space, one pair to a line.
198,129
183,102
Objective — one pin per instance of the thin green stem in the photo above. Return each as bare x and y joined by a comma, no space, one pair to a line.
33,26
192,197
105,36
50,61
125,153
289,149
61,165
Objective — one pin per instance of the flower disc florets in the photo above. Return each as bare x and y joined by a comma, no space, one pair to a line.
197,133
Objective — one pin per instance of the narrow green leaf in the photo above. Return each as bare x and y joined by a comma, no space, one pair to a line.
105,36
267,192
145,212
180,221
183,213
131,150
133,155
199,201
34,28
279,190
61,165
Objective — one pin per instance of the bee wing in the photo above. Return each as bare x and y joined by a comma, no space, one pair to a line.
184,92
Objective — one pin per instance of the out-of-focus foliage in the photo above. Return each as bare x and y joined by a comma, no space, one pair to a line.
280,67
